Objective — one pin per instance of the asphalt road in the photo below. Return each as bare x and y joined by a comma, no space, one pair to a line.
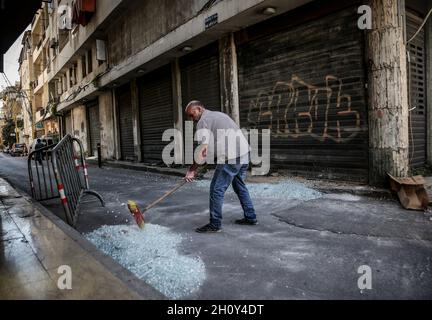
302,249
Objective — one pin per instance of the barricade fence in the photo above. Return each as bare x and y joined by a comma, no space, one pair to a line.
61,172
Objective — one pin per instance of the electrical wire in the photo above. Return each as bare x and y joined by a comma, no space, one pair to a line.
410,109
421,27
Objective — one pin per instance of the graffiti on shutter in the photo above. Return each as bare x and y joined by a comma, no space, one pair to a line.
307,85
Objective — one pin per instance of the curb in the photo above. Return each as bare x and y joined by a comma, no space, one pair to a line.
140,167
355,190
146,292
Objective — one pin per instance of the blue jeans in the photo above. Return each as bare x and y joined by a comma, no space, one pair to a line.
226,174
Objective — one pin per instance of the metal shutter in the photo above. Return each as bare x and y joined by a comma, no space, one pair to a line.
417,80
156,112
94,127
200,81
125,123
68,123
200,77
307,84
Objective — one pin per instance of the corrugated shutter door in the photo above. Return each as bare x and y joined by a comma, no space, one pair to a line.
200,77
156,112
94,126
200,81
125,123
417,76
307,84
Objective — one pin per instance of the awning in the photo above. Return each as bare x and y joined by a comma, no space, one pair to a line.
83,10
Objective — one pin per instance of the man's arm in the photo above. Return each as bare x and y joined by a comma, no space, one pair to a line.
192,172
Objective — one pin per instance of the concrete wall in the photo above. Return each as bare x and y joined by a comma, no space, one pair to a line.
106,116
144,22
79,125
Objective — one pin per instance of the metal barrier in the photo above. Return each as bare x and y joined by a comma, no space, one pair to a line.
59,175
41,175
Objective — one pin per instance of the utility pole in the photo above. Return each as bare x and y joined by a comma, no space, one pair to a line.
388,92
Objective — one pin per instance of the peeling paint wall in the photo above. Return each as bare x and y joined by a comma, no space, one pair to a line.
107,130
79,126
144,22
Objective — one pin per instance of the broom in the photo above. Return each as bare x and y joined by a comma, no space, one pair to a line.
139,215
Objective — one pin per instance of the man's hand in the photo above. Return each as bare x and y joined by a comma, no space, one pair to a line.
190,175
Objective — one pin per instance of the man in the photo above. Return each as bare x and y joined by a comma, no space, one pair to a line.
39,155
232,164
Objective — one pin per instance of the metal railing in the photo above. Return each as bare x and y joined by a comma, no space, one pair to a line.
55,172
41,175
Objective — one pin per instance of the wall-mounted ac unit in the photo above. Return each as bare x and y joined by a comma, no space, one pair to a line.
65,23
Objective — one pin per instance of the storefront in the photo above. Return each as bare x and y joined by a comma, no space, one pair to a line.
125,123
156,112
94,125
305,81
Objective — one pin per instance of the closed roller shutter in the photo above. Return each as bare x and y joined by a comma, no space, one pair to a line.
417,84
94,127
68,123
307,84
125,123
200,77
200,81
156,112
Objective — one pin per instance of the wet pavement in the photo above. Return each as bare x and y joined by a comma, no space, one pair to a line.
307,247
35,248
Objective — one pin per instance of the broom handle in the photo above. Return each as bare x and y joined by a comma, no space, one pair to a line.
170,192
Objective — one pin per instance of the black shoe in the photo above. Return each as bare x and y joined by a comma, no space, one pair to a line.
208,228
246,222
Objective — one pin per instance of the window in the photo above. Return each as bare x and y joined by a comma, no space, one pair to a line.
83,66
90,61
71,77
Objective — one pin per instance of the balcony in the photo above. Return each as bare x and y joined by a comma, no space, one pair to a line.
36,21
39,48
41,80
39,115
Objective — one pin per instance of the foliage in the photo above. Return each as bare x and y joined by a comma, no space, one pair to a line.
8,129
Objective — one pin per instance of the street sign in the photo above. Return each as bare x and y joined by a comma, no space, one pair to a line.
211,21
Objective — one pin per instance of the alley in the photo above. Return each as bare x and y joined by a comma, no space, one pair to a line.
308,245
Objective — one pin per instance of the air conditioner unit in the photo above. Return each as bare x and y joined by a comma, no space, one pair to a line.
65,23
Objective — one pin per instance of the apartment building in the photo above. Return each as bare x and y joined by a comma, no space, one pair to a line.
119,73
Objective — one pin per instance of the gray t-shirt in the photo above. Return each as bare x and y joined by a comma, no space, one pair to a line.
225,139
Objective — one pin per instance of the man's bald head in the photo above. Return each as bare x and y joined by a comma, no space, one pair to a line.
194,110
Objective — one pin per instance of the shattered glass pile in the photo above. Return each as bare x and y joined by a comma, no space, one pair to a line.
152,255
287,190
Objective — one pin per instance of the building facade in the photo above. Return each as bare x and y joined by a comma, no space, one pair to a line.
26,89
119,73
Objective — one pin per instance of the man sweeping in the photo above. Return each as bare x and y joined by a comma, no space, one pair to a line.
232,159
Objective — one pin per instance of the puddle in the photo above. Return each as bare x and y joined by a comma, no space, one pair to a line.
152,255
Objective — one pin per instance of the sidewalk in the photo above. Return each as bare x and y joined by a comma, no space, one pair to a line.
34,244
